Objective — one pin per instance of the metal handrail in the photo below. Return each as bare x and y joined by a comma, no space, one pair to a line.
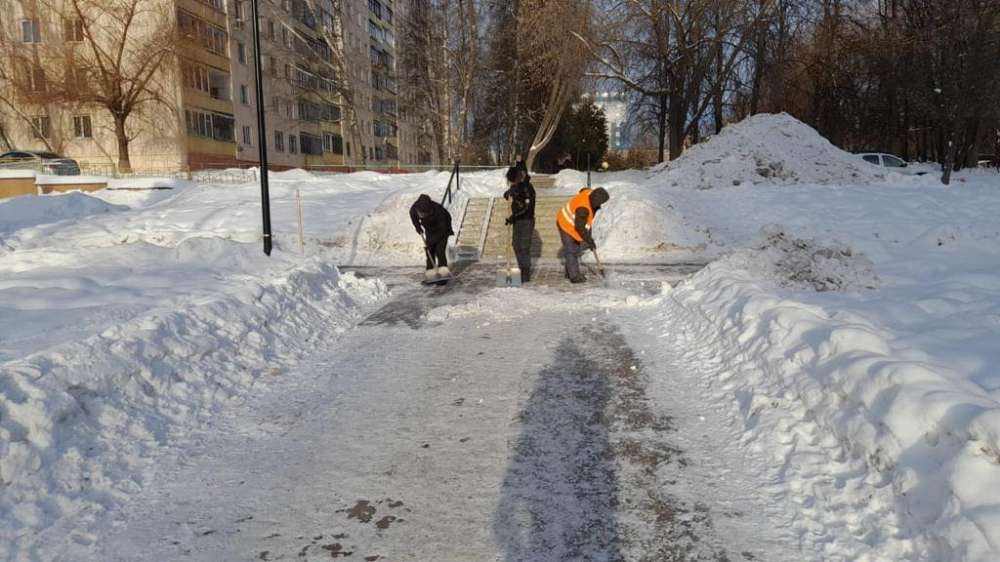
456,177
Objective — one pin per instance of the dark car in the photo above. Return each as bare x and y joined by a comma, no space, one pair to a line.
43,162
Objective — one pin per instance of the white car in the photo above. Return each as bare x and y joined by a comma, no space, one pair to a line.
894,163
45,162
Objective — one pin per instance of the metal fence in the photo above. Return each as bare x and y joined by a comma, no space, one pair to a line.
242,172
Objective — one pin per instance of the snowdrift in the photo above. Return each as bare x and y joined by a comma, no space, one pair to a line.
34,210
865,369
772,149
81,420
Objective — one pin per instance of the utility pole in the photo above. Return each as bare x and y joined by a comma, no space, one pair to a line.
265,198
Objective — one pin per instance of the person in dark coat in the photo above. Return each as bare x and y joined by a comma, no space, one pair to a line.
433,222
522,215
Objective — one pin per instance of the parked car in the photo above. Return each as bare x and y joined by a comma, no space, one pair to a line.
894,163
44,162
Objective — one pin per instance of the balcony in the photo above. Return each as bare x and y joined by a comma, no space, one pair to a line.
219,85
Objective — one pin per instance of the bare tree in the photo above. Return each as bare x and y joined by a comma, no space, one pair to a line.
425,78
681,53
440,46
548,32
116,55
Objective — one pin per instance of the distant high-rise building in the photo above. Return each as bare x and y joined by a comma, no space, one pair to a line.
615,106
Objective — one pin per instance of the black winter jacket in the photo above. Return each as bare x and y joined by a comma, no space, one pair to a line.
522,197
436,224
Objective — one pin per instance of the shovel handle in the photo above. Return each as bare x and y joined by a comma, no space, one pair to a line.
600,268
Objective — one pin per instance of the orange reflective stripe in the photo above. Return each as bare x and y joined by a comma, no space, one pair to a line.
566,218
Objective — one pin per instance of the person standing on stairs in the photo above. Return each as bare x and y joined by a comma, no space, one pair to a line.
433,222
521,195
575,221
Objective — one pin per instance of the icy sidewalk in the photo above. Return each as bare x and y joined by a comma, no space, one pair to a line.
496,431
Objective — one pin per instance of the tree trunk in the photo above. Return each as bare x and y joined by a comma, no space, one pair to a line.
719,70
124,160
676,124
758,72
662,127
949,160
4,139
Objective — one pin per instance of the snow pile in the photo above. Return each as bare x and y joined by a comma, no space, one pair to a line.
33,210
916,441
634,227
765,149
878,409
805,264
132,316
385,235
81,419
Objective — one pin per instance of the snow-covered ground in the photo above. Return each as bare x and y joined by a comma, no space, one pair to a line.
858,324
847,328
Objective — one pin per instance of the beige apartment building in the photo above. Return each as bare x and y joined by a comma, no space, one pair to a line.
206,113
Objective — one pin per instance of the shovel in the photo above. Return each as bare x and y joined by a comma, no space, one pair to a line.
600,268
509,276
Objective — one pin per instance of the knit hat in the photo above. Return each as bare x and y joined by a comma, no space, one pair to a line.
598,197
424,205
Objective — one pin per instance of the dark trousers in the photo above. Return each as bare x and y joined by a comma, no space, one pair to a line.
572,250
524,229
439,252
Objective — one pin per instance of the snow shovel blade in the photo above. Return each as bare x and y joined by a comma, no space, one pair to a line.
503,278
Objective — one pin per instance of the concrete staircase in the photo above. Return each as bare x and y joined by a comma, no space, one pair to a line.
483,230
543,182
471,233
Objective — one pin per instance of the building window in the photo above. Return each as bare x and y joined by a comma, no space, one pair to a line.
347,148
213,38
195,77
241,52
31,31
73,30
275,104
215,126
247,136
289,112
293,144
270,30
244,94
217,4
76,79
82,128
41,127
311,144
284,37
239,11
279,141
333,142
37,79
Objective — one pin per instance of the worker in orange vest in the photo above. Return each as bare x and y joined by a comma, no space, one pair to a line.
575,220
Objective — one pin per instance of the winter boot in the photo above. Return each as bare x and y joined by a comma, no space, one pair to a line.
430,275
443,271
578,279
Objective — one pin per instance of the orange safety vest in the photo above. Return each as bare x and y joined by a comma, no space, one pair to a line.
566,218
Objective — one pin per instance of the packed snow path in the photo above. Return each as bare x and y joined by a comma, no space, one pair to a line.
477,436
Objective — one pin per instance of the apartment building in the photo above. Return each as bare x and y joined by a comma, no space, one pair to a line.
206,111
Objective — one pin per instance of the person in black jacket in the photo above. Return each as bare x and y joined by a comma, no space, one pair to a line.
522,215
433,222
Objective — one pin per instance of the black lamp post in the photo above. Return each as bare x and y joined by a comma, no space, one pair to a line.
265,198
